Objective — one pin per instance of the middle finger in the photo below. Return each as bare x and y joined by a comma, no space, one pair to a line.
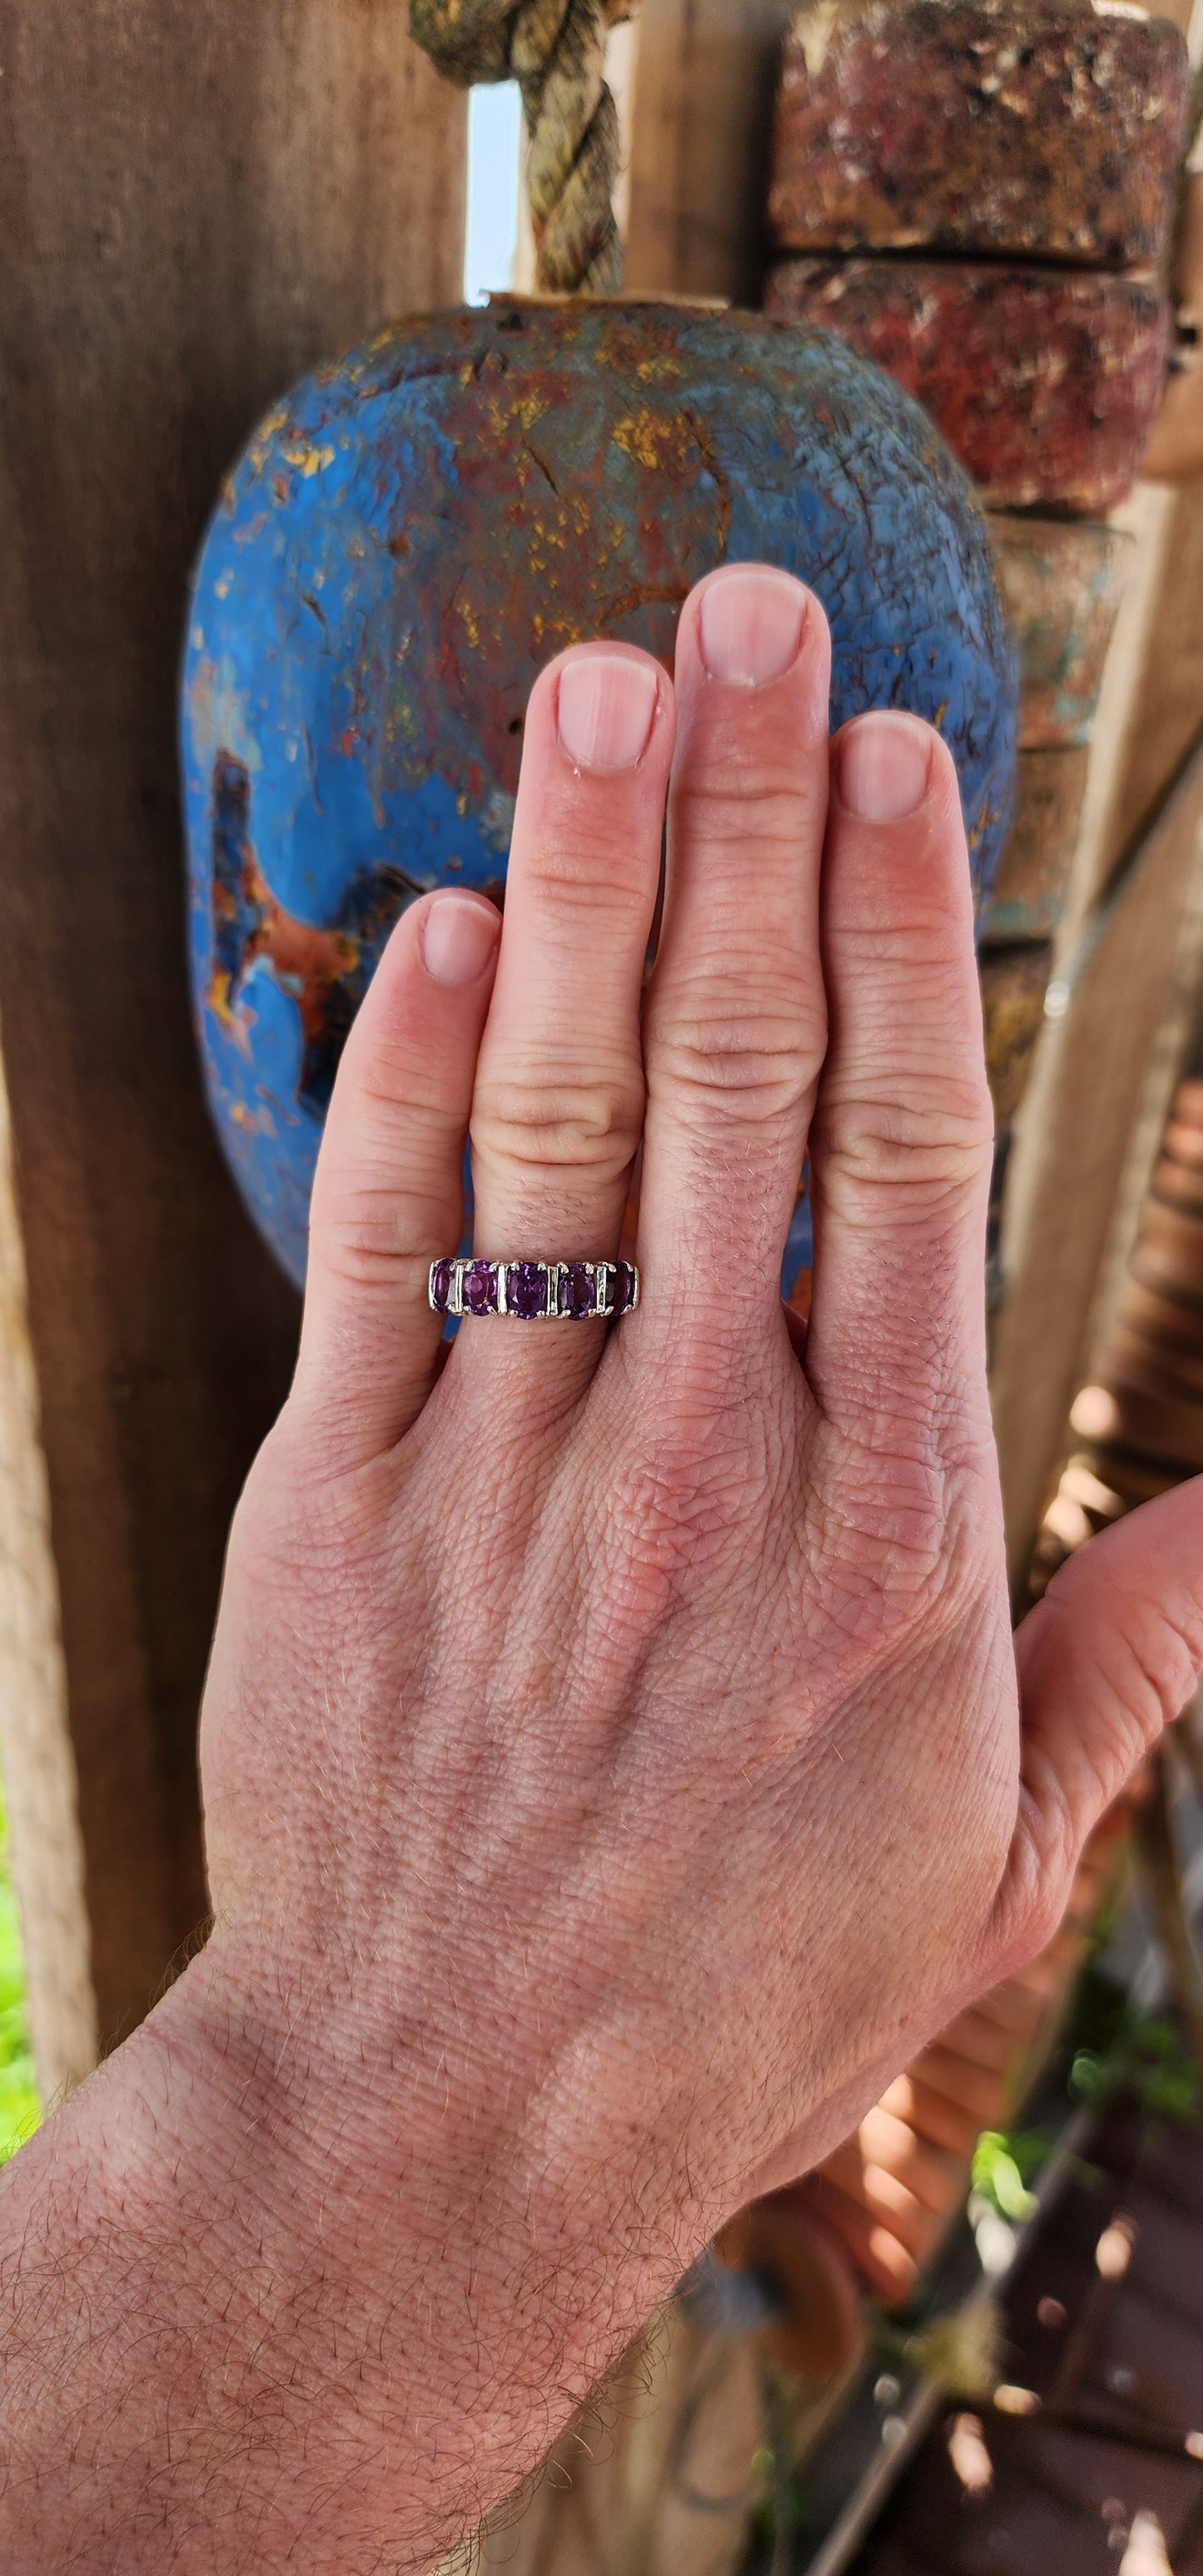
735,1025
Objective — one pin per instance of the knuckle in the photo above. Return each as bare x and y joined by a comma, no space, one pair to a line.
741,802
689,1498
903,1555
589,867
295,1519
925,1145
1047,1902
759,1065
369,1234
1035,1891
535,1120
884,1529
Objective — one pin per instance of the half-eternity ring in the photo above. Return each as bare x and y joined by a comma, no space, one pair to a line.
537,1291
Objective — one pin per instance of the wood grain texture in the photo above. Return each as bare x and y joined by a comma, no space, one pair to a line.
703,107
1152,707
1088,1134
1013,981
978,126
1175,452
1127,1016
243,190
36,1757
1044,382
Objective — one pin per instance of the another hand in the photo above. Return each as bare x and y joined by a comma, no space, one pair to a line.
613,1755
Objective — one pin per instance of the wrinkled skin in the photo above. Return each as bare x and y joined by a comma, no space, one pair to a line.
616,1758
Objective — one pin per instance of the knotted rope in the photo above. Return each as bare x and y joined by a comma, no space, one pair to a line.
555,50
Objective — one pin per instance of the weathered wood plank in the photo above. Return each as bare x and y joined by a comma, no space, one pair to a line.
703,108
1102,1082
1176,447
35,1743
1013,982
243,190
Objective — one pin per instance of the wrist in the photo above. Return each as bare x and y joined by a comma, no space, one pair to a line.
392,2237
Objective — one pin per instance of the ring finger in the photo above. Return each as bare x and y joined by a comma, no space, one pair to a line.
557,1111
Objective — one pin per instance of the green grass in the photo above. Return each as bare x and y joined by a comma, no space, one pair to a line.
19,2107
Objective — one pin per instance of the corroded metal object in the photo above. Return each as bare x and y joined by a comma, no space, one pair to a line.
412,534
1045,382
997,126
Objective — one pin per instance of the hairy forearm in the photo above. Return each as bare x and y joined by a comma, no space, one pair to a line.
258,2318
204,2365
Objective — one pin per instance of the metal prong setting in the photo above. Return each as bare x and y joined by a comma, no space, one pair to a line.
497,1294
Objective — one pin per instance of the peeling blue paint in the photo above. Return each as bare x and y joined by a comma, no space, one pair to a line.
415,530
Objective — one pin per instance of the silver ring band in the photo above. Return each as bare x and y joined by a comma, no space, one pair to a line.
537,1292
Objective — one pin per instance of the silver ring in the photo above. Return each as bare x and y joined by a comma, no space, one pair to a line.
537,1292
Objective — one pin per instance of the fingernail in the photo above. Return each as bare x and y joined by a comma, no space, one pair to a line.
458,938
751,624
606,705
885,760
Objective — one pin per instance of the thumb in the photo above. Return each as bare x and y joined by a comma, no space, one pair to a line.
1107,1660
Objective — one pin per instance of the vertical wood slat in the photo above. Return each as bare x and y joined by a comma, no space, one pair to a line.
35,1744
1090,1124
703,97
196,204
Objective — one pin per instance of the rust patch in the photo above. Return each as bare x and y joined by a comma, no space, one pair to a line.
325,971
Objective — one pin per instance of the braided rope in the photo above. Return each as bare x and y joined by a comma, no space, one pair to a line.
555,50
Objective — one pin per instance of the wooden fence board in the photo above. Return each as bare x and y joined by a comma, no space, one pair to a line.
703,103
1092,1120
35,1744
195,205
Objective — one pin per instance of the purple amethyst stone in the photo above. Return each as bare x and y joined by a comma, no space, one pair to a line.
624,1287
480,1288
526,1288
576,1290
440,1286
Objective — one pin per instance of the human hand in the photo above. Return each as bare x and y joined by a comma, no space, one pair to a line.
613,1754
637,1713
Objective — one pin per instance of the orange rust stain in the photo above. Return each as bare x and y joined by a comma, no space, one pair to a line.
306,961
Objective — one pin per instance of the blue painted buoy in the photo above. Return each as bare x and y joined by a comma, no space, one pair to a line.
416,529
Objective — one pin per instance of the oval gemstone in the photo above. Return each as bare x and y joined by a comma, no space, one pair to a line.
624,1287
576,1290
480,1288
526,1288
440,1286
